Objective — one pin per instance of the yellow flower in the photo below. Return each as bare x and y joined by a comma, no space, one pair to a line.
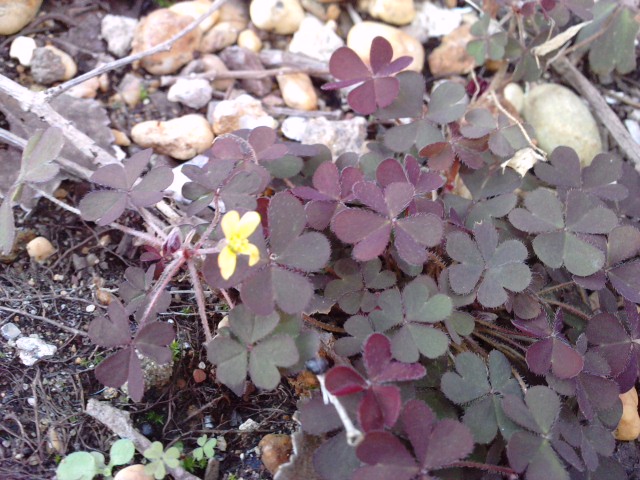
237,232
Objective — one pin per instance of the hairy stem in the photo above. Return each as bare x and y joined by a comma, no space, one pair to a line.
197,286
553,288
506,471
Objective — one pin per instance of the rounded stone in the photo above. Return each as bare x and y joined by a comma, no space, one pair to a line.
195,9
396,12
241,112
22,48
559,117
279,16
297,91
213,63
249,39
50,64
276,450
118,32
362,34
16,14
133,472
192,92
181,138
158,27
514,94
40,249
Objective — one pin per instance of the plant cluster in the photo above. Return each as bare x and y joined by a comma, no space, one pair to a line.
489,318
86,465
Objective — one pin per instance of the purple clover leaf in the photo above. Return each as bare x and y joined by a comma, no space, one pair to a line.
113,330
436,444
105,206
379,88
380,406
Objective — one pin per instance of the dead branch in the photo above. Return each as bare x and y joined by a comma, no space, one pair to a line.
53,92
600,107
119,422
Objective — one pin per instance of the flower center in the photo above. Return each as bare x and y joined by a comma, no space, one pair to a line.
237,243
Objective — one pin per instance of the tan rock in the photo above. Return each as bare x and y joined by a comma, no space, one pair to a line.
559,117
40,249
276,450
628,428
223,35
297,91
133,472
196,9
396,12
451,57
157,27
88,89
362,34
181,138
212,63
241,112
16,14
249,39
130,89
120,138
279,16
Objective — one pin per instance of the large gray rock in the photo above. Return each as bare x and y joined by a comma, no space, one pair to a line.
559,117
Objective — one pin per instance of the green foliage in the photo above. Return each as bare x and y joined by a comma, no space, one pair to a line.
206,448
86,465
160,459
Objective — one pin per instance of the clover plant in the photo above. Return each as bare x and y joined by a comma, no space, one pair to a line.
483,320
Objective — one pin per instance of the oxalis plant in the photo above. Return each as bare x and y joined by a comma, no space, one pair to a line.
482,320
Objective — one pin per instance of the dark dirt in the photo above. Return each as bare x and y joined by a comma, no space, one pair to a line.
42,405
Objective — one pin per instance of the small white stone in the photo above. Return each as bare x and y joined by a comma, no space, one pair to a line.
559,117
634,129
40,249
340,136
90,308
22,48
316,39
31,401
31,349
192,92
280,16
362,34
118,32
181,138
241,112
58,277
396,12
10,331
249,426
434,21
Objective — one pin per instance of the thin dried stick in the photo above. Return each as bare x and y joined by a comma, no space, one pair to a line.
59,325
53,92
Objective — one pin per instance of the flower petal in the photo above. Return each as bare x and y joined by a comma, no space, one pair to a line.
229,223
227,263
248,224
253,252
